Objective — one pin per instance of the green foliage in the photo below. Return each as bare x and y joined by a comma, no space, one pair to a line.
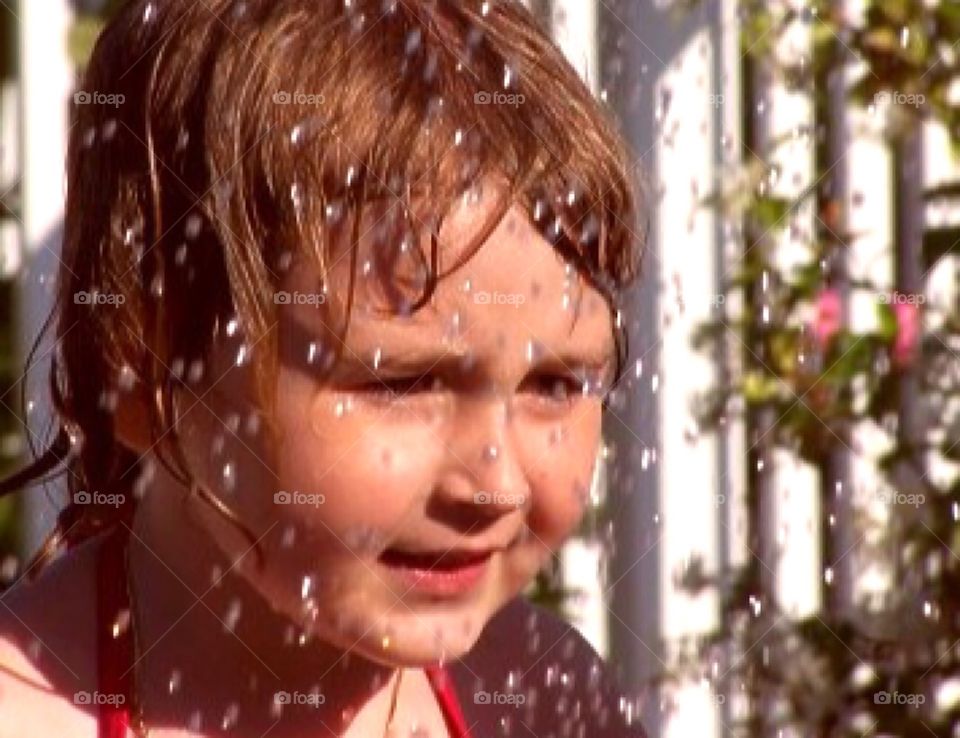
798,362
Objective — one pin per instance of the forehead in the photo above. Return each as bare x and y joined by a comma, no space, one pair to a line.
514,288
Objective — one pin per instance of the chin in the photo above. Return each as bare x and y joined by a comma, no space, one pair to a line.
424,637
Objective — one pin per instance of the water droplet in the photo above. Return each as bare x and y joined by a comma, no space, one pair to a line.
127,378
230,716
193,226
233,614
229,477
242,355
173,684
414,39
121,623
534,351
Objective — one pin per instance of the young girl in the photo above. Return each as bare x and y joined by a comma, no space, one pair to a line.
337,319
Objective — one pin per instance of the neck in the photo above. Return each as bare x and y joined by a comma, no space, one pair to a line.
212,654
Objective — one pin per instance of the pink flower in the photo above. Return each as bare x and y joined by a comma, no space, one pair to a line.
829,318
908,332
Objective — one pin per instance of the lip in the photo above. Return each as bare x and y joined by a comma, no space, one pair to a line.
449,574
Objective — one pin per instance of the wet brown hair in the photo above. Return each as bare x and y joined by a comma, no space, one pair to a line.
243,134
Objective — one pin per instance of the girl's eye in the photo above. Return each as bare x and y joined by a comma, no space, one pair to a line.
555,387
398,387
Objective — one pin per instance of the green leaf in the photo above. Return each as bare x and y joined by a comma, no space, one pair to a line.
769,213
83,37
887,320
881,39
759,387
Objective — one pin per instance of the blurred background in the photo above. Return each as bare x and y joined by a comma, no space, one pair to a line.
774,537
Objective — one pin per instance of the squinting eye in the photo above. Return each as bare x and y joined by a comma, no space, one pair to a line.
395,388
556,387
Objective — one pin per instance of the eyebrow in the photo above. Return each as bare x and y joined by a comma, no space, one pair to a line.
427,358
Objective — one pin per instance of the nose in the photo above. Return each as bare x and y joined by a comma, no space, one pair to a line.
484,469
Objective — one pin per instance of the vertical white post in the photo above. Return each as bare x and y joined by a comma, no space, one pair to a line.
574,27
46,85
868,202
686,107
10,255
669,474
784,113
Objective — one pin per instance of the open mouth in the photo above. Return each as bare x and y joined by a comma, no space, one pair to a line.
444,574
437,561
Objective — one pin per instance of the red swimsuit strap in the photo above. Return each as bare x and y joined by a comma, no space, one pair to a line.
447,696
115,654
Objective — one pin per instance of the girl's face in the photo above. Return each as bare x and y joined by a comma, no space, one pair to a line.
462,427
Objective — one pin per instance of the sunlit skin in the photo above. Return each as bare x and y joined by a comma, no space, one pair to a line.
399,456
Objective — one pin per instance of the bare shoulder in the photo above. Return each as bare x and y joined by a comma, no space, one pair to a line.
47,649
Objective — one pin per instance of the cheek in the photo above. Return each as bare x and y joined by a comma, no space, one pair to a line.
370,475
564,453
